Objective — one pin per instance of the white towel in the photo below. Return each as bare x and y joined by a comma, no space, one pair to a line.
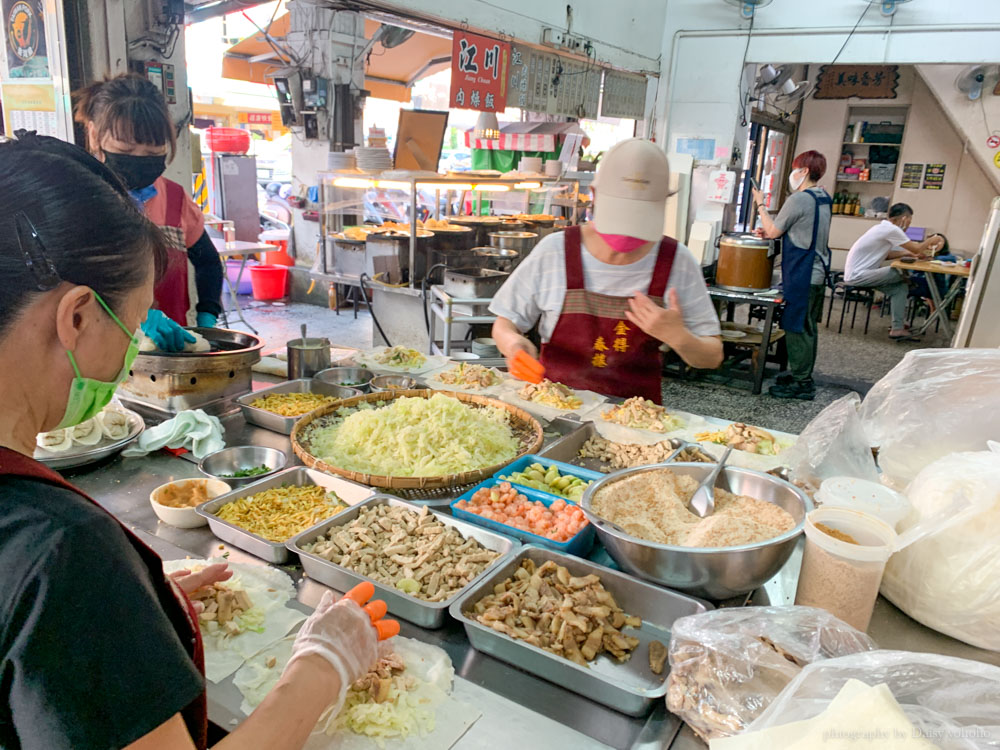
192,429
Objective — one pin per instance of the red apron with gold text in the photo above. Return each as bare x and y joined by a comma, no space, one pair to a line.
195,715
172,293
594,346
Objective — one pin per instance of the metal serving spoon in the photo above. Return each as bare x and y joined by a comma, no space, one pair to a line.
702,502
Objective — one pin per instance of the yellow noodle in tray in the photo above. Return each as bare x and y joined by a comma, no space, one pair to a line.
280,513
292,404
417,437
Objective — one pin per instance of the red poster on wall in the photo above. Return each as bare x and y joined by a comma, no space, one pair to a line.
479,72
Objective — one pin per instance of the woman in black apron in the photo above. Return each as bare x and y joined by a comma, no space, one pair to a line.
98,648
804,224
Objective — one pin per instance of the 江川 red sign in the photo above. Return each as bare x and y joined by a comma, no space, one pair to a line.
479,72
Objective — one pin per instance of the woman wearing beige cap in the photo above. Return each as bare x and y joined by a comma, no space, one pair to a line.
607,294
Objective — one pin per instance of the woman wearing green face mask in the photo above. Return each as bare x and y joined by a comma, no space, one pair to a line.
98,648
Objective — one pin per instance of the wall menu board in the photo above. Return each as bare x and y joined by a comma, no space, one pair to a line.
624,95
934,177
517,91
911,176
31,106
551,84
577,88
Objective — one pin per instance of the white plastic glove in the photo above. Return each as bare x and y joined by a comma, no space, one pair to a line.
342,633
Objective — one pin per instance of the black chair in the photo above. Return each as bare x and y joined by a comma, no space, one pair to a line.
850,294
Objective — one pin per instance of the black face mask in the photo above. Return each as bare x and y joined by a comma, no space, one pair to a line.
137,172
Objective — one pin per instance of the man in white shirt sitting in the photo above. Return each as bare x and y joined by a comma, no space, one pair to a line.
887,240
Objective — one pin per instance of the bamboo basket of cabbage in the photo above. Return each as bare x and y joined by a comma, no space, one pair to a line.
415,439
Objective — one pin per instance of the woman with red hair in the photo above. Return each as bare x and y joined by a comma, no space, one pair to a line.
804,222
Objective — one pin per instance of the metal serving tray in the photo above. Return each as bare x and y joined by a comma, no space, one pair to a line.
630,687
567,449
417,611
300,476
271,421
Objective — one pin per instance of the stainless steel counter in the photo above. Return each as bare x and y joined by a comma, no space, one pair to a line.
509,698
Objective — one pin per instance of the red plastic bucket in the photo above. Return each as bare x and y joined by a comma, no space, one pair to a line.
228,140
269,282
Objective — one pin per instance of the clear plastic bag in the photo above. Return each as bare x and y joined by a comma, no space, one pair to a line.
934,402
948,578
727,665
833,444
955,703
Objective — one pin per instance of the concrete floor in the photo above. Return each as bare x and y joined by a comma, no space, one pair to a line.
848,361
279,322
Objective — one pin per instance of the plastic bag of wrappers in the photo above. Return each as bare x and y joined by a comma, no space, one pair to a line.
949,703
833,444
727,665
934,402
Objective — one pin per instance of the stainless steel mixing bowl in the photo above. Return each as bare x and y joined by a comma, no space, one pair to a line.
221,464
384,383
710,572
352,377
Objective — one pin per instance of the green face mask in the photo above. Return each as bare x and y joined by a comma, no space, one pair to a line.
88,396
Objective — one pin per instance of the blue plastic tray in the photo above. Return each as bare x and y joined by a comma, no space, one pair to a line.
579,545
525,461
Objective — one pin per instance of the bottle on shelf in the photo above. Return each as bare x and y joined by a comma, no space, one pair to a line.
856,207
838,203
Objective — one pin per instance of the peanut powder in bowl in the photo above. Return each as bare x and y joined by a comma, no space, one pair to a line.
652,506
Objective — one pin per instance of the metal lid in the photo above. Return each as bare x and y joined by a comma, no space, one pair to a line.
475,219
515,235
741,239
396,236
495,252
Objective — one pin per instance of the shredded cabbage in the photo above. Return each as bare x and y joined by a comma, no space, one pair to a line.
407,712
417,437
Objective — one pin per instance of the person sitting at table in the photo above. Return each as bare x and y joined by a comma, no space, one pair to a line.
888,240
919,280
129,129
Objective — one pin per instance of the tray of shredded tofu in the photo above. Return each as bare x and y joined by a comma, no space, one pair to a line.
262,516
419,561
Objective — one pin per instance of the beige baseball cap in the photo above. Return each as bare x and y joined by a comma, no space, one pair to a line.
632,187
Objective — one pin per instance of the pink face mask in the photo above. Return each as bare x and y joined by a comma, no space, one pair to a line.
622,243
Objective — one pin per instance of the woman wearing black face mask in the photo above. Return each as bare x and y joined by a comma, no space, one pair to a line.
129,129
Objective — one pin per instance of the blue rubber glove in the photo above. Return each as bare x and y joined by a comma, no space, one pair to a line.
166,334
206,320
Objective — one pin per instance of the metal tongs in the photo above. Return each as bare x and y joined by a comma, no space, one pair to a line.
525,367
702,502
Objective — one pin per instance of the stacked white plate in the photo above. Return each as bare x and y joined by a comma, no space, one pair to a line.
373,159
341,161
